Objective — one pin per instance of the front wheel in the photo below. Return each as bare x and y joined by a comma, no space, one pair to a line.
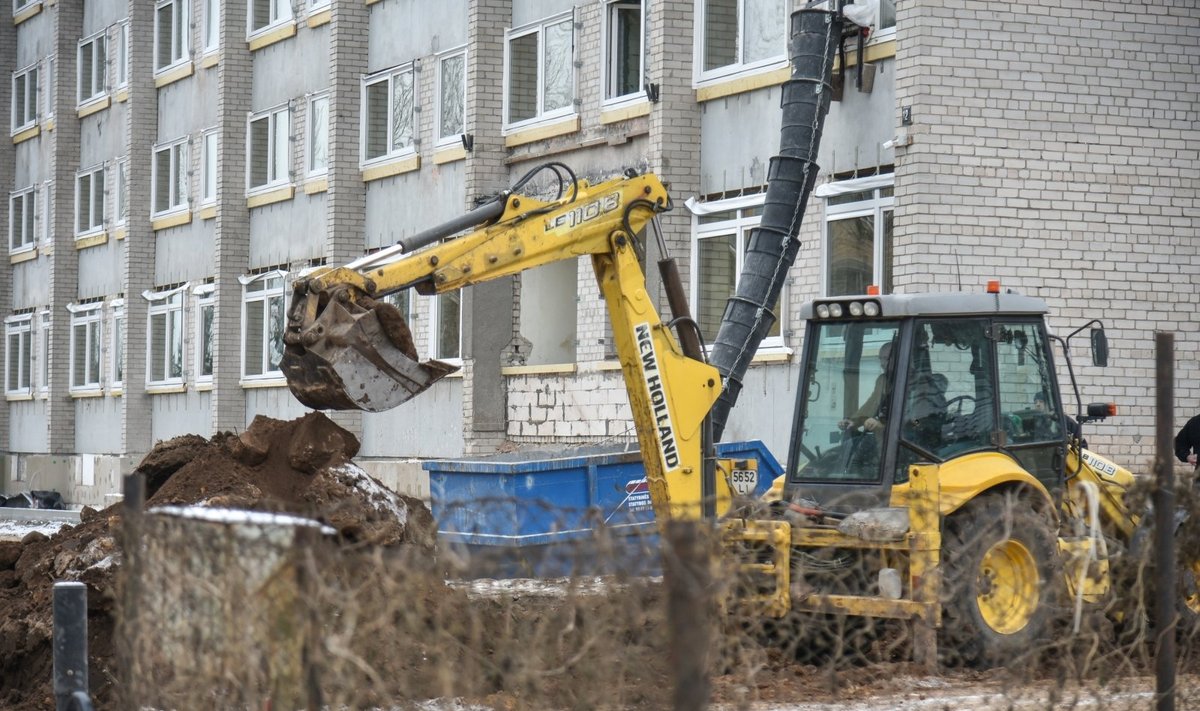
1001,581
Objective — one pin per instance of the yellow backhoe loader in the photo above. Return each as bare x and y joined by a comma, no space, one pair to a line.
933,474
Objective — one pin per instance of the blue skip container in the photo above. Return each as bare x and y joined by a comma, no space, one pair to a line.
583,511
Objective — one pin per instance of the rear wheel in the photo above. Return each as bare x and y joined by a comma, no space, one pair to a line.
1000,581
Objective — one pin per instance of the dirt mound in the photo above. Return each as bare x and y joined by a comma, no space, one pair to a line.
301,467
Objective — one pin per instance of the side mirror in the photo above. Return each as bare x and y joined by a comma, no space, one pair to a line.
1099,348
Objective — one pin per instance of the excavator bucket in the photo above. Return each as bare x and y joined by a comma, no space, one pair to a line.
357,358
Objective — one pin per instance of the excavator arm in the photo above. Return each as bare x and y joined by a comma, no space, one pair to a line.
345,348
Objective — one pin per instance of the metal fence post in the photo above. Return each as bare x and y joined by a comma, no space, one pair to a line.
70,642
1164,522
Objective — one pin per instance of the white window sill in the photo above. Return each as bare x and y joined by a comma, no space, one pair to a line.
166,387
173,217
24,127
92,105
737,71
32,132
267,381
614,111
269,194
539,122
22,249
173,72
90,391
520,134
390,165
271,34
17,396
90,238
204,386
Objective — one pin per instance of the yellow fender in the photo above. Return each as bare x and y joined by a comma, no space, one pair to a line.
964,478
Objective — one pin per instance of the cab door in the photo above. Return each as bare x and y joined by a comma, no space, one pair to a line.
1030,425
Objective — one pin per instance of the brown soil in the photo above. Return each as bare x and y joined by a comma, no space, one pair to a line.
300,467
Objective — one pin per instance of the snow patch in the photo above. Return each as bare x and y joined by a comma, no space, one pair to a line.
379,496
239,516
16,530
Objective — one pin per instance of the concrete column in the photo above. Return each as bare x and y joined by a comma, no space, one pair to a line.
232,250
487,309
8,58
346,205
141,127
674,129
64,270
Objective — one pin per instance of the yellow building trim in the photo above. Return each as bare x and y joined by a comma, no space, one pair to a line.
387,170
172,389
26,256
80,394
549,369
119,233
171,76
116,392
449,154
316,185
50,124
372,2
211,59
624,113
743,84
270,37
205,387
874,52
265,383
22,136
23,15
271,196
771,357
19,398
208,212
607,365
122,95
93,108
541,133
320,18
175,220
91,240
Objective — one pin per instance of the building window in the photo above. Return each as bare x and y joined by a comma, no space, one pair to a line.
452,96
736,35
18,355
51,83
169,191
22,206
212,25
89,201
165,337
723,232
122,191
267,13
44,353
268,149
206,309
24,98
208,168
317,5
389,116
85,347
539,71
624,62
123,55
92,54
445,338
858,235
318,134
170,33
19,5
262,325
118,345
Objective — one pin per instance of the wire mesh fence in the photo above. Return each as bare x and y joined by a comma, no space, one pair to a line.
231,611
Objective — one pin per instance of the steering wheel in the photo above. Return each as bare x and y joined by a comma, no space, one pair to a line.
959,401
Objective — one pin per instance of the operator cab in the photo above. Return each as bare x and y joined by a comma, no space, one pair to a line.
889,381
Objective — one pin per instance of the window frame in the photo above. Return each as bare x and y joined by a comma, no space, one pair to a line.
389,76
435,313
315,6
19,325
609,54
704,76
98,93
271,24
87,315
121,199
184,47
309,170
93,227
876,207
205,298
270,115
50,82
23,194
212,25
116,359
167,302
178,166
18,6
122,81
265,295
541,116
30,103
44,326
441,139
741,227
209,173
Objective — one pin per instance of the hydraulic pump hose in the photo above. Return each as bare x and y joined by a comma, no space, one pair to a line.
749,314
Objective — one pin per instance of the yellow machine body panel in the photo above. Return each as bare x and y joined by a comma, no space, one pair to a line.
963,478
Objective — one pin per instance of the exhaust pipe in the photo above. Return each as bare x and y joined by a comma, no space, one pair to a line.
749,316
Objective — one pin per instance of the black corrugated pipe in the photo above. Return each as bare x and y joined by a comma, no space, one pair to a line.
815,37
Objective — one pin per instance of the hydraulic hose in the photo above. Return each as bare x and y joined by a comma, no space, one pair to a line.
749,313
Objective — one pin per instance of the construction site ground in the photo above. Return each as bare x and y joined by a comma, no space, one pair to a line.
305,467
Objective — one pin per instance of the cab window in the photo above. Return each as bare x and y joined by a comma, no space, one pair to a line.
1029,411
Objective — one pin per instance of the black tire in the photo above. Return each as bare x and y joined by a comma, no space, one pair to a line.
1001,582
